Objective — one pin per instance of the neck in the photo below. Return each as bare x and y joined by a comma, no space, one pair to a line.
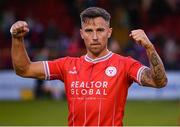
95,56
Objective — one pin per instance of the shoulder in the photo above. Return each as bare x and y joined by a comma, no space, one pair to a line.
125,61
67,58
64,62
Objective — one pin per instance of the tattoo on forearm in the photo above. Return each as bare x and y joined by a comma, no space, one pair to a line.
154,75
154,59
157,68
158,73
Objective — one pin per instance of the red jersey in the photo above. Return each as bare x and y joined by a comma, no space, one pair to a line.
96,89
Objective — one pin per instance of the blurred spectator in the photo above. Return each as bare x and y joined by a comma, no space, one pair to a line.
8,18
120,26
158,10
170,53
55,88
57,22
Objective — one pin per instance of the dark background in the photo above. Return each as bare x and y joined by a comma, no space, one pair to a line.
54,28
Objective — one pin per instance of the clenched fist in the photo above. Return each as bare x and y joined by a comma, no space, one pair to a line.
19,29
140,38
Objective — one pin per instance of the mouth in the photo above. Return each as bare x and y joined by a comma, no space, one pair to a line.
95,44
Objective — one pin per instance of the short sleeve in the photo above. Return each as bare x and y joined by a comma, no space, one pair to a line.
54,69
135,69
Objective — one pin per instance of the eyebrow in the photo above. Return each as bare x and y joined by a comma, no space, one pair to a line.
88,29
98,29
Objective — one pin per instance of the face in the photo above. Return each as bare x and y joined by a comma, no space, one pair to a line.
95,33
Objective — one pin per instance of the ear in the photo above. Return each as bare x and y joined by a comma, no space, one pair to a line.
81,33
110,32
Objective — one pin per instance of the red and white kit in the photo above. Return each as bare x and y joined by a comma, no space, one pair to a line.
96,89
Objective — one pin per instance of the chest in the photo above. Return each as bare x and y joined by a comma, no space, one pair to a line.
94,80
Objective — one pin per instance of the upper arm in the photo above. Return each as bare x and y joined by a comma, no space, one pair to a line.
34,70
47,70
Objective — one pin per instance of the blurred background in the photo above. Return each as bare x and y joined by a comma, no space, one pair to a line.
54,32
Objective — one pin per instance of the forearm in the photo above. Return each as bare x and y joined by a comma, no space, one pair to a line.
19,55
157,68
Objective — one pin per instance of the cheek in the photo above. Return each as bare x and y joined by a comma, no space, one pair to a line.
86,39
104,37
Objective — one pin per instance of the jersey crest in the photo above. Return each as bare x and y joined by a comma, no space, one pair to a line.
111,71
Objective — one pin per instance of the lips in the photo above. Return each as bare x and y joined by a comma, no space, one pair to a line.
97,45
94,44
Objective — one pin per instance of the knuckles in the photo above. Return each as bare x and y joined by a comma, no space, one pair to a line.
138,31
19,24
18,27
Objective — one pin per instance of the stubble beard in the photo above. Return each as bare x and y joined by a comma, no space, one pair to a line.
96,51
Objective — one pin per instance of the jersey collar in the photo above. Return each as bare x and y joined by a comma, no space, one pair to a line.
100,59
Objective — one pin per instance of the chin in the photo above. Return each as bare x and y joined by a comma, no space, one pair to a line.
95,51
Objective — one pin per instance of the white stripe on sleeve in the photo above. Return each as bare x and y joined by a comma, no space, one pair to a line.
46,70
139,73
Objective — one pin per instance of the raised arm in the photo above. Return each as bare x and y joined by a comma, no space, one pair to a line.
21,62
155,76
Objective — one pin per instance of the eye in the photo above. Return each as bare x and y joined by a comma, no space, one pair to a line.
88,30
100,29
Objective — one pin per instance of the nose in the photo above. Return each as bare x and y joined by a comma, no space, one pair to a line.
95,36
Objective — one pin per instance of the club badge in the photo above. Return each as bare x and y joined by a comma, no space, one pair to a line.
111,71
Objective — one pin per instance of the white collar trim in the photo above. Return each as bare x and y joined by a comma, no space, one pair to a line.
100,59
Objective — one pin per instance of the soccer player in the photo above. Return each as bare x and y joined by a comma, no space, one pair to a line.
97,83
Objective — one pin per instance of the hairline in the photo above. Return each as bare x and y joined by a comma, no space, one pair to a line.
91,18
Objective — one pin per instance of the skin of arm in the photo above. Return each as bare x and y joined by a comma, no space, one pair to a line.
155,76
21,63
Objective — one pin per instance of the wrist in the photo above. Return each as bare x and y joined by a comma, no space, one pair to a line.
17,35
149,47
17,38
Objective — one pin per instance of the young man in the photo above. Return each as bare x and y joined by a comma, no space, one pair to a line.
96,84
